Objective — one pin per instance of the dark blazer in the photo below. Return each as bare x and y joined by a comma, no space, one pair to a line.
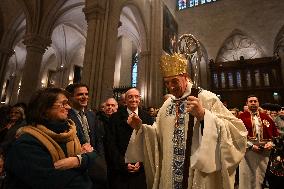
98,171
119,136
96,133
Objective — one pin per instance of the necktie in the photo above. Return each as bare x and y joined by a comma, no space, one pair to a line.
85,126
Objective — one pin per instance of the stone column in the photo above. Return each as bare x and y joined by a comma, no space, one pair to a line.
281,56
36,46
94,52
143,76
154,79
14,88
10,90
5,54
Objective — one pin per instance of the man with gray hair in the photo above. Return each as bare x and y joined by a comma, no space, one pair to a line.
110,107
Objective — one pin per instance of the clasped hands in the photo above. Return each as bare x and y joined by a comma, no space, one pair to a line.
73,162
268,146
133,168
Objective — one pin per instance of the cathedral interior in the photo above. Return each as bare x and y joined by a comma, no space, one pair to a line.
112,45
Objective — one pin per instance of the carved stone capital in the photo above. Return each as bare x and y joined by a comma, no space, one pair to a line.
94,12
37,42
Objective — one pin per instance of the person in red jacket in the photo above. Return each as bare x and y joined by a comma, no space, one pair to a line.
261,130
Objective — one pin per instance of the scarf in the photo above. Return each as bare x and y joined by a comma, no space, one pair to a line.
50,139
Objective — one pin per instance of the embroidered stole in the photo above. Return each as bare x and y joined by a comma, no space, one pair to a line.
179,144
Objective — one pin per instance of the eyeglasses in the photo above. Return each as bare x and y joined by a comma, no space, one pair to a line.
62,104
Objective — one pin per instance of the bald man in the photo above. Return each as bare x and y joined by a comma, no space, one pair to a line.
124,174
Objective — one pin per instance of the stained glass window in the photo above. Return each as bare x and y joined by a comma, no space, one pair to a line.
231,80
248,78
223,80
239,79
257,78
134,70
215,79
266,79
183,4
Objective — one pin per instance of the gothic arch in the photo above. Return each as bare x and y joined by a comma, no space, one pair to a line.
54,15
239,44
14,70
15,32
28,16
38,22
65,51
12,40
17,60
279,48
66,38
279,41
137,20
1,25
68,30
131,36
204,68
77,21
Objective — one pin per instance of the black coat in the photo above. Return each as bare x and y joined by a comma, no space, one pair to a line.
119,133
118,136
8,136
96,133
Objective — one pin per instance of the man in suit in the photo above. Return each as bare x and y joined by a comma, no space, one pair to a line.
124,174
90,130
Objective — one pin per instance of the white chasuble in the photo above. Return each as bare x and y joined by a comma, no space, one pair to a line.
215,154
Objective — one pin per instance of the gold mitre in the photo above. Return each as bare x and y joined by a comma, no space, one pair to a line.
172,65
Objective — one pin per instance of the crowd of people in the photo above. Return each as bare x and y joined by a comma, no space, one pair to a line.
192,141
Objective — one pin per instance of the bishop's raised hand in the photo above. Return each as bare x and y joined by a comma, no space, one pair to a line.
134,121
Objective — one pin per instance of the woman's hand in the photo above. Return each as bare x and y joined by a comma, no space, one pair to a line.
86,148
67,163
